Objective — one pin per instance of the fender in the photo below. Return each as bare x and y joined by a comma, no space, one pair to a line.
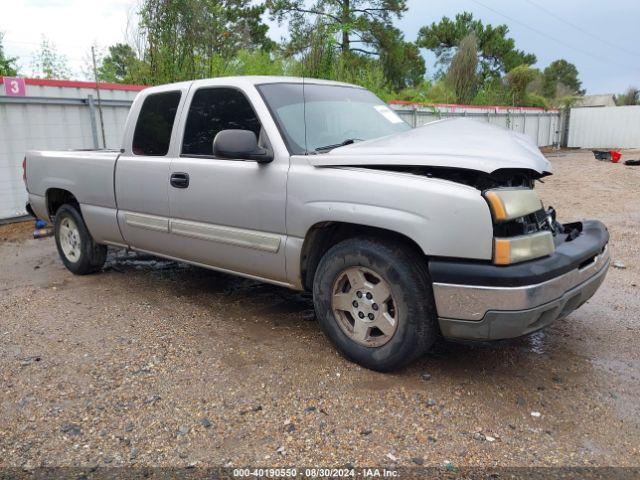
435,214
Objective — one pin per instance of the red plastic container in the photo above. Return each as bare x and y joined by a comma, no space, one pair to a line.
615,156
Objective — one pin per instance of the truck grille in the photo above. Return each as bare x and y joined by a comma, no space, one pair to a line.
532,223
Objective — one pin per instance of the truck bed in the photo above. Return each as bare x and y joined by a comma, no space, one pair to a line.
89,174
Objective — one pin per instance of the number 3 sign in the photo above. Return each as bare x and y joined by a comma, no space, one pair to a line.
14,86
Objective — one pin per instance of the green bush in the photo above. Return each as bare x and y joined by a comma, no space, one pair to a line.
518,80
365,72
440,92
535,100
494,92
418,94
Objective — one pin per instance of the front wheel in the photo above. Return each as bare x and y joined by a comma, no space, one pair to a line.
374,300
79,253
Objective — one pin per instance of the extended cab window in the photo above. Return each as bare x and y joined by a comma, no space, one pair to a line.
155,122
213,110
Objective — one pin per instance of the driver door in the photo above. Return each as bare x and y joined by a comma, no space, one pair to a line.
227,213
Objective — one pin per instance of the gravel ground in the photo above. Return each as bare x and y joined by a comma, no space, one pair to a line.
157,363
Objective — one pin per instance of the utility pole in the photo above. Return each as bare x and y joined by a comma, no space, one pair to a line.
95,77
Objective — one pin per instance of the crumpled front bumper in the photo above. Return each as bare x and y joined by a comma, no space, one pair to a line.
479,301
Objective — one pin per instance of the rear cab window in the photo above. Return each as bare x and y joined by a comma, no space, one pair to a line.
152,134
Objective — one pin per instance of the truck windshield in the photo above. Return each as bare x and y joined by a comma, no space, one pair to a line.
323,117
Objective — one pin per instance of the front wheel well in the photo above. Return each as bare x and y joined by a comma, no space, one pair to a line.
56,197
322,236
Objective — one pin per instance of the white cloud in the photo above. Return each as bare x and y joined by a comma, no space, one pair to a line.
72,25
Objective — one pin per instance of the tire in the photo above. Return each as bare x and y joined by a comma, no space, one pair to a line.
79,253
410,304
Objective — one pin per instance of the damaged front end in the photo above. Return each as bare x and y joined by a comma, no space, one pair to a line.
530,219
504,177
540,271
528,230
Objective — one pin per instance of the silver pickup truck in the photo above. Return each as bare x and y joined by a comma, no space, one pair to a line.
401,234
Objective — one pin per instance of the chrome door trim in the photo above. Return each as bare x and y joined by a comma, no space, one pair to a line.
239,237
148,222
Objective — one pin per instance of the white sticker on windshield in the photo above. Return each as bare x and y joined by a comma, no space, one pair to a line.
387,113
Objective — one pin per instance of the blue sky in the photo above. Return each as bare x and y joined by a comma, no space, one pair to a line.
605,66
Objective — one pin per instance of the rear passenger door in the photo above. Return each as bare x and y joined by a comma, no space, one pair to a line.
142,171
231,215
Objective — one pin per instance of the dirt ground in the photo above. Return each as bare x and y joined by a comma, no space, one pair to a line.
157,363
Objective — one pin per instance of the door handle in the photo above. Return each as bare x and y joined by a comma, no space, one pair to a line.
179,180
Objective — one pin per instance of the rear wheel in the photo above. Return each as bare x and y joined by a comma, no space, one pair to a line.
374,300
79,253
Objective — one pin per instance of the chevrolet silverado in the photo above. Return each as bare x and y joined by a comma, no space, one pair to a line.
402,234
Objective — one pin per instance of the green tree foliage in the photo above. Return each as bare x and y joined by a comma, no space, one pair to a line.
251,62
350,20
462,75
354,41
497,52
8,66
561,72
428,92
535,100
356,28
512,90
495,91
401,61
319,58
187,39
117,66
630,97
417,93
322,60
48,63
518,80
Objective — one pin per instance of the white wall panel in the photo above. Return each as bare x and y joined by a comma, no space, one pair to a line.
27,126
605,127
542,126
35,126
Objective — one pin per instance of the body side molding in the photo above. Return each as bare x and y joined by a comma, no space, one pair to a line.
268,242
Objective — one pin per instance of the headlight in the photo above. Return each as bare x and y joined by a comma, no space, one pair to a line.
511,203
507,251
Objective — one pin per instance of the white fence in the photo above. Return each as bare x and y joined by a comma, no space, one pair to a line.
605,127
61,115
55,115
543,126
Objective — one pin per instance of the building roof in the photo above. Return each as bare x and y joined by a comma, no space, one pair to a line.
601,100
45,82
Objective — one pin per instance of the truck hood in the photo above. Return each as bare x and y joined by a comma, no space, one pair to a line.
451,143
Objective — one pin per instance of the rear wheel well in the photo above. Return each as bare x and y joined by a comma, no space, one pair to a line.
56,197
322,236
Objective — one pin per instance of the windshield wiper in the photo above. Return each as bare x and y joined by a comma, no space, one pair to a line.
348,141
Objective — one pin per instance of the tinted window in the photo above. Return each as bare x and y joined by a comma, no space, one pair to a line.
213,110
153,129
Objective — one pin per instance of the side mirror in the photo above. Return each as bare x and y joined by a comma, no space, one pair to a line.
240,144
